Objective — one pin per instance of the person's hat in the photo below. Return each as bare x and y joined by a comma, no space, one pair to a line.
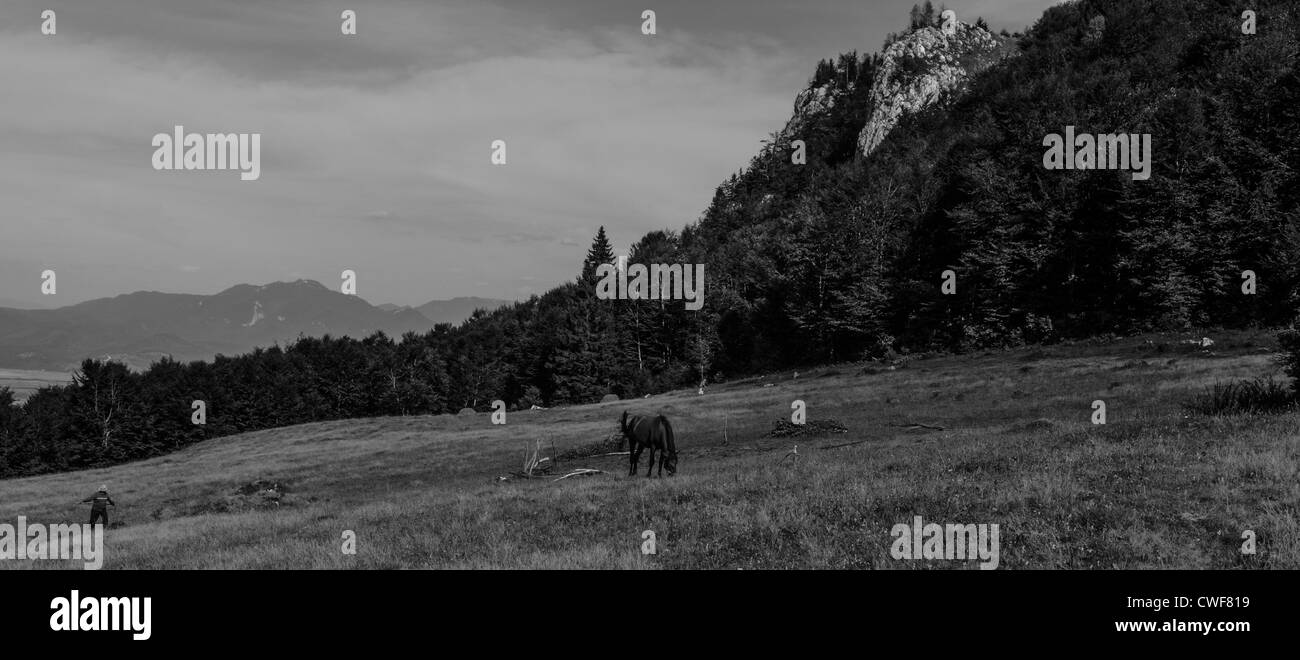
104,488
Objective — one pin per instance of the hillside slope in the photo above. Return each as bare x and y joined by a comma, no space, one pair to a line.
1153,488
843,255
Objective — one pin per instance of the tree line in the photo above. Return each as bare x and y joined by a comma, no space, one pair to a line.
566,346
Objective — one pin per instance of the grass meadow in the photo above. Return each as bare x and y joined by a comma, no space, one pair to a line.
1157,486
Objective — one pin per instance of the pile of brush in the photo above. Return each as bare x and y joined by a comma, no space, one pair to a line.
536,466
784,428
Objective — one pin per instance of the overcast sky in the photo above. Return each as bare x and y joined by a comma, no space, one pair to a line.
376,147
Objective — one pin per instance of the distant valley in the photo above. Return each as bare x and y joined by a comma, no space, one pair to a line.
23,382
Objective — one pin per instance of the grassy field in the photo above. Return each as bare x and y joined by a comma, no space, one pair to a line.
1155,487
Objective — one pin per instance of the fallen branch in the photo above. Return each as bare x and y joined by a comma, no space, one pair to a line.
612,453
538,473
580,473
915,425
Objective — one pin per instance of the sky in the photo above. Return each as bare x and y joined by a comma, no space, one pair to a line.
376,147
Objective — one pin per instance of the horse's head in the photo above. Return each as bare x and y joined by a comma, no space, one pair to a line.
622,423
670,462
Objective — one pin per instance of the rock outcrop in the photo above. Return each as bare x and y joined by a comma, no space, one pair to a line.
813,102
922,68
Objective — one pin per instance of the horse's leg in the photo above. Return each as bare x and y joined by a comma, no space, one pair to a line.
651,467
631,460
636,459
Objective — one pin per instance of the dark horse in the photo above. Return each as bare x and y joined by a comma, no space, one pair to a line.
655,433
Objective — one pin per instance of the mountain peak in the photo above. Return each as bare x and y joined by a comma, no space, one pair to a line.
298,284
295,284
923,67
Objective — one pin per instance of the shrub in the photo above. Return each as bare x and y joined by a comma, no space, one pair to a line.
908,68
1259,395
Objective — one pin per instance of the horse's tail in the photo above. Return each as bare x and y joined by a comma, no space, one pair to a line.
669,444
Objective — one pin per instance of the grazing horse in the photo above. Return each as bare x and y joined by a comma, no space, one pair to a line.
655,433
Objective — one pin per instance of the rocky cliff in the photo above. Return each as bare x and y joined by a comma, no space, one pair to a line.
814,102
922,68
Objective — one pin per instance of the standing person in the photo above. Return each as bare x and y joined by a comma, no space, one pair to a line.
99,508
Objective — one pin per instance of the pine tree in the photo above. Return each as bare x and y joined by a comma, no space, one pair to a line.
824,74
601,252
914,19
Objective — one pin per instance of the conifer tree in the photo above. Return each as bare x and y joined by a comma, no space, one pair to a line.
601,252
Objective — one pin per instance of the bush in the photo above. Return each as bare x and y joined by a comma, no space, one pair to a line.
1260,395
908,68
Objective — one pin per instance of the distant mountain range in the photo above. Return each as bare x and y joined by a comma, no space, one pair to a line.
19,304
448,311
139,328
